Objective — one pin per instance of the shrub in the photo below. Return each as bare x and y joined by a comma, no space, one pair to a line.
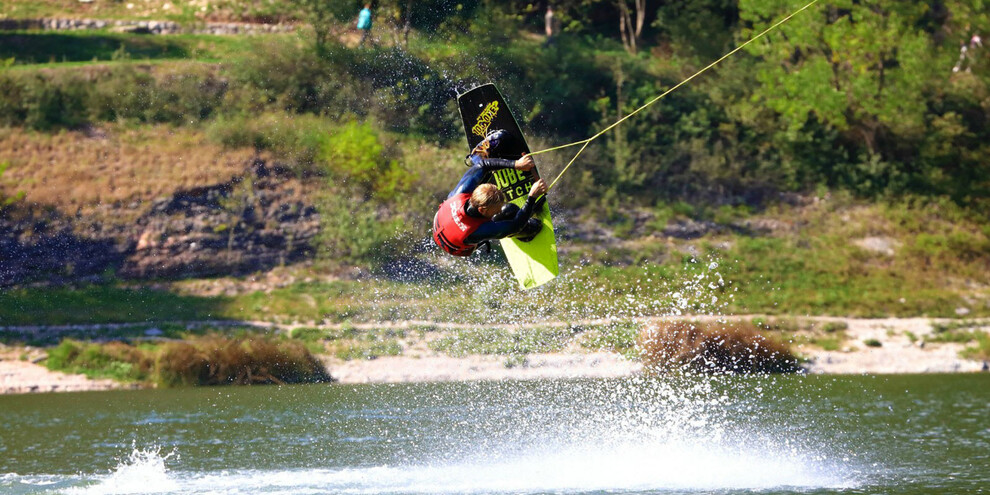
46,100
354,230
215,360
355,154
114,360
208,360
834,326
713,348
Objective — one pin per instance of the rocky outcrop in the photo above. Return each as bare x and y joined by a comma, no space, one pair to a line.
146,27
253,222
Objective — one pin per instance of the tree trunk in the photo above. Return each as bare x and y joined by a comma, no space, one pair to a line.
408,24
630,29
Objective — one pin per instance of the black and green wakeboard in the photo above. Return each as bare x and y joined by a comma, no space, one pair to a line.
483,110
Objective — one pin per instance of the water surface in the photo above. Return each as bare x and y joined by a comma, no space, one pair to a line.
789,434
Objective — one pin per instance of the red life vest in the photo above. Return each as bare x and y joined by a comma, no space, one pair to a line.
452,226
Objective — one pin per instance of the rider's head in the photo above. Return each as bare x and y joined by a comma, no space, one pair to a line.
488,200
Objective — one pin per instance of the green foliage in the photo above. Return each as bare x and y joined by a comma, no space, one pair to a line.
698,27
964,332
834,326
113,360
831,344
296,139
57,99
367,350
354,154
42,47
101,304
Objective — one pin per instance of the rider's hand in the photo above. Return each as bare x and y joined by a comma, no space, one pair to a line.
539,189
525,163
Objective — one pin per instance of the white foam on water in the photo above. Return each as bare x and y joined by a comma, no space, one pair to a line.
578,469
631,436
142,472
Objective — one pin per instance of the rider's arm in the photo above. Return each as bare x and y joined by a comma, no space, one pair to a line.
489,164
471,180
504,228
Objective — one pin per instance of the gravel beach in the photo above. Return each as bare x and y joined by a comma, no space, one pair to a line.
897,353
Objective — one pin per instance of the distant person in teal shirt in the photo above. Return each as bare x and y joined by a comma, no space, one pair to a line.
364,22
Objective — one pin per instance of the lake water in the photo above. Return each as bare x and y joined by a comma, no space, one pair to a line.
787,434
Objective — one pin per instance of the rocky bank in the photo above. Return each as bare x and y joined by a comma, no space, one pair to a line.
255,221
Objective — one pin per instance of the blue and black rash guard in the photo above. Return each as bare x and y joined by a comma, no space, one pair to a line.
471,180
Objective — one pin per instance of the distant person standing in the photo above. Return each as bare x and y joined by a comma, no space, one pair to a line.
966,53
364,22
552,26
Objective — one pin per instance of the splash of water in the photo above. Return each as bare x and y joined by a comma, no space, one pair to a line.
143,471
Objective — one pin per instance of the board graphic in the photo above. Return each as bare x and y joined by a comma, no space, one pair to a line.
483,110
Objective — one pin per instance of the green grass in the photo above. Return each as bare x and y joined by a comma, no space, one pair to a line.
751,285
619,337
964,332
503,342
34,47
979,351
104,304
831,343
366,349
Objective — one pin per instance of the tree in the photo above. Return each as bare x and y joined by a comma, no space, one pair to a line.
862,67
631,28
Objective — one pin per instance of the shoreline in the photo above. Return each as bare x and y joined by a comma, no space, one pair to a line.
898,353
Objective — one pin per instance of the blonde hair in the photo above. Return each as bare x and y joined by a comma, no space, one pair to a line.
487,196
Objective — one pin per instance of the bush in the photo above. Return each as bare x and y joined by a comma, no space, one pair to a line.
47,100
114,360
713,348
356,154
208,360
215,360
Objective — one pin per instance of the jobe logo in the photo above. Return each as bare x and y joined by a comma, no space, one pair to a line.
514,183
485,119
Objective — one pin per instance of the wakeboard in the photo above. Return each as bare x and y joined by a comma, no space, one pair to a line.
483,110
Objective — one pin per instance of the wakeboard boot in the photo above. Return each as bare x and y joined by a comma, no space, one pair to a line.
530,231
508,212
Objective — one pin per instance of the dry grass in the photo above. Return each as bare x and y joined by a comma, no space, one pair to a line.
217,360
713,348
79,170
207,360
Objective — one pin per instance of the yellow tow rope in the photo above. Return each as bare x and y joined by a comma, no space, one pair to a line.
585,142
